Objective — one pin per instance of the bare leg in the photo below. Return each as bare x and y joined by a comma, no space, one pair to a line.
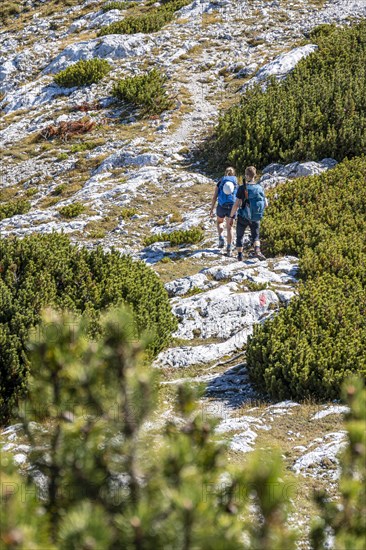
220,226
229,231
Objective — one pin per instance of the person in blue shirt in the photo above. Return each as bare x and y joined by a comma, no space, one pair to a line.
225,195
249,208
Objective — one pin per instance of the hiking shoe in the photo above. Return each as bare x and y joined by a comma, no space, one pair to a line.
221,242
258,254
228,250
240,256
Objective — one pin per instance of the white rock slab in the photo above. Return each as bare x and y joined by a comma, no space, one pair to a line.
296,169
282,65
179,287
242,423
333,409
311,462
194,10
244,441
120,159
6,70
33,94
186,356
113,46
96,20
220,312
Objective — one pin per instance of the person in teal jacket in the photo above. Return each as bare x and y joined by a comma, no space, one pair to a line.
249,209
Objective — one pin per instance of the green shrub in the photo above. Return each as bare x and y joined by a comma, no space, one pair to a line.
104,485
59,189
145,91
118,5
322,220
62,156
72,210
31,191
152,21
322,30
189,236
83,73
47,270
166,260
313,344
344,520
317,111
14,207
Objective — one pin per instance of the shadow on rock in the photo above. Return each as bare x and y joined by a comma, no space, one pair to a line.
233,388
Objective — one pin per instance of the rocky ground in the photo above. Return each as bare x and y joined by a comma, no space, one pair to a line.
211,52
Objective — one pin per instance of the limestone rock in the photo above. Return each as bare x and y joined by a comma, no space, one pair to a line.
125,159
282,65
275,173
220,312
318,456
179,287
114,46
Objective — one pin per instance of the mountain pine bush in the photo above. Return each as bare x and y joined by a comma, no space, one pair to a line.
314,344
188,236
146,91
103,487
151,21
72,210
83,73
321,219
47,270
317,341
317,111
118,5
14,207
345,520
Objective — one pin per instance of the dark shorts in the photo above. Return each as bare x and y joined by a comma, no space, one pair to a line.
223,211
241,226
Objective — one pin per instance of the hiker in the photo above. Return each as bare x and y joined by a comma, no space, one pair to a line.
249,208
225,194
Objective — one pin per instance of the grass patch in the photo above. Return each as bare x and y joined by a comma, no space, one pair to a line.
86,146
253,286
59,190
62,156
9,11
211,19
